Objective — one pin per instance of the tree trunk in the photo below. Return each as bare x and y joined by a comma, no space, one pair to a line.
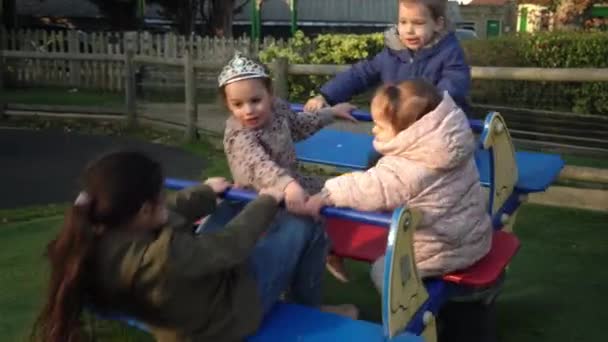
119,14
121,18
8,12
184,17
221,17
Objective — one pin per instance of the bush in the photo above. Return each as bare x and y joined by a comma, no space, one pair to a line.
545,50
324,49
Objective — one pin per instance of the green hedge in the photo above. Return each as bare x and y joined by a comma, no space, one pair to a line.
324,49
549,50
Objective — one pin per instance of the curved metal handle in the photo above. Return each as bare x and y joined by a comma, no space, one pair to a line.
358,114
361,115
373,218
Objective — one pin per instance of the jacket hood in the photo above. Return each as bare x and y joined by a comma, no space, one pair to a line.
442,139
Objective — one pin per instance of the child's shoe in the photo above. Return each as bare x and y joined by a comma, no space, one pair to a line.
335,266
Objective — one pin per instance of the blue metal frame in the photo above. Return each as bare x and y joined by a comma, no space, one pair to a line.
490,151
361,115
509,207
374,218
114,316
439,291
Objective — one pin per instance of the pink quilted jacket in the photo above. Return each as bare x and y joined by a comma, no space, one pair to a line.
429,166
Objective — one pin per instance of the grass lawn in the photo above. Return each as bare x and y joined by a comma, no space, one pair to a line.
58,96
97,98
600,163
554,292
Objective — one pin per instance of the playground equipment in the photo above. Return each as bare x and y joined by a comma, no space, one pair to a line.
409,304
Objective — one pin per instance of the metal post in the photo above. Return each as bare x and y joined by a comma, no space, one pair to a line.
191,112
293,6
256,26
130,104
141,14
3,68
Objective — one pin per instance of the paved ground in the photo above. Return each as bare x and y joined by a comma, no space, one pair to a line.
40,167
212,117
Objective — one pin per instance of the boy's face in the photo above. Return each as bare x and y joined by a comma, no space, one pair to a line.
416,26
249,101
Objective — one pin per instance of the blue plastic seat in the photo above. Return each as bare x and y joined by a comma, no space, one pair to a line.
352,151
288,322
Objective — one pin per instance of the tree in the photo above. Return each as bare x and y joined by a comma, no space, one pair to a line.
8,13
568,13
572,13
217,15
220,17
181,12
119,13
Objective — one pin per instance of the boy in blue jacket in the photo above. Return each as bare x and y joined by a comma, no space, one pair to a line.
419,46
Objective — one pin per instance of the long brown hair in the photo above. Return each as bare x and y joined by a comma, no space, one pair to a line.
116,186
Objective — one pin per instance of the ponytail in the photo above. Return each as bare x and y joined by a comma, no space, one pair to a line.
59,320
117,186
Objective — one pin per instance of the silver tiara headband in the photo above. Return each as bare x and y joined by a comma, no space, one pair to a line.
239,68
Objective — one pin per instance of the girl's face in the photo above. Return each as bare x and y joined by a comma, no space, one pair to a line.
416,26
249,101
151,215
383,130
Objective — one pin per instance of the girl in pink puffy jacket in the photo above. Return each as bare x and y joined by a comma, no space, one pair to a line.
427,163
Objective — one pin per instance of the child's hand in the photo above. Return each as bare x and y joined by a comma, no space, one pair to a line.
274,193
343,111
314,104
218,184
314,204
295,198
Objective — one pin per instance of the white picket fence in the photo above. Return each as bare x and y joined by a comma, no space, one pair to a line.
106,75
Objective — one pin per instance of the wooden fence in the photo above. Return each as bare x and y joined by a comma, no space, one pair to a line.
116,66
96,59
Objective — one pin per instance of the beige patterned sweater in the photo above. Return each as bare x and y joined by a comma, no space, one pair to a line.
265,157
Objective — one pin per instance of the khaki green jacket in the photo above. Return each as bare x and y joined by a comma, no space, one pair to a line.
185,287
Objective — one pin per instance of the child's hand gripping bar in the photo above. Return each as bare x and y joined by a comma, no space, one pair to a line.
374,218
361,115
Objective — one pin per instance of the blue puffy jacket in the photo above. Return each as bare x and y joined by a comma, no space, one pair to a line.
442,64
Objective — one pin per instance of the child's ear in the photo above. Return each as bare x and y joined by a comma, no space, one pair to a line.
146,209
149,208
440,24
